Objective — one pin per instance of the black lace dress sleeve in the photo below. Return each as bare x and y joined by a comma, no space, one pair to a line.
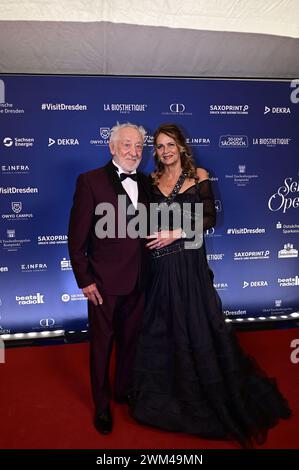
207,198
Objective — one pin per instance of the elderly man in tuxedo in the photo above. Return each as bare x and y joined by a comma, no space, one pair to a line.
110,271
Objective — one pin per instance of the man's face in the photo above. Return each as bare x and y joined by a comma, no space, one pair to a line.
127,148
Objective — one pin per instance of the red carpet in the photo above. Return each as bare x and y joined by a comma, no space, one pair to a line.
45,400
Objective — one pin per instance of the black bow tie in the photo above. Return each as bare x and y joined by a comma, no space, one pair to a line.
123,176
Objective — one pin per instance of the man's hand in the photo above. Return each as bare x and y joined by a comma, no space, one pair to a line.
91,293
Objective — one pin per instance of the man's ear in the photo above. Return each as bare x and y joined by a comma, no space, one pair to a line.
112,148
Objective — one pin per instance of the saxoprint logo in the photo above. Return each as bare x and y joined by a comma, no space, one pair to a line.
62,141
52,239
229,109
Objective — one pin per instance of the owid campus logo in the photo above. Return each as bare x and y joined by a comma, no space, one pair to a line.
286,197
105,132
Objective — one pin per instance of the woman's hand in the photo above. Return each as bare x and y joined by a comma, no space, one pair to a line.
163,238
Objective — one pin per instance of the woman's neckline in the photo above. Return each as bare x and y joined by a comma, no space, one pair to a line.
182,192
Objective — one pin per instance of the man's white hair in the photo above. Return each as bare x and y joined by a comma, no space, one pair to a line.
115,130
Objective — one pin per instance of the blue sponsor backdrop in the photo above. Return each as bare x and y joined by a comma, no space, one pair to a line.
245,132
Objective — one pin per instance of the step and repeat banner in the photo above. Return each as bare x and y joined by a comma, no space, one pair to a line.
244,132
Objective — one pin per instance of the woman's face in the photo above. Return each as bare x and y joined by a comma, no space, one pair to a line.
167,150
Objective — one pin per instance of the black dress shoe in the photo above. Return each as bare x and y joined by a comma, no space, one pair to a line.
103,421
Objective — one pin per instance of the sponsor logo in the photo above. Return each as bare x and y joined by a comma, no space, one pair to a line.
65,265
233,141
125,108
51,239
33,267
15,169
198,141
271,141
277,110
7,108
177,109
218,205
235,313
288,282
16,207
10,233
47,322
245,231
286,197
288,228
18,142
14,190
221,285
62,141
242,178
72,297
278,309
255,284
8,142
16,214
249,255
215,256
211,233
63,107
11,243
105,132
31,299
228,109
148,141
288,251
104,140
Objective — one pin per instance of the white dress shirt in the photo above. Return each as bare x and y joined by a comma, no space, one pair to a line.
129,185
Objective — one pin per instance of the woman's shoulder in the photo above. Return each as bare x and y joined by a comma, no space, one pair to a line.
202,174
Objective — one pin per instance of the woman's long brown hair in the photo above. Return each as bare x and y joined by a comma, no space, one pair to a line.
187,161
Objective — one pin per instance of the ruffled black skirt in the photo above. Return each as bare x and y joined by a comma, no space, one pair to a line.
190,373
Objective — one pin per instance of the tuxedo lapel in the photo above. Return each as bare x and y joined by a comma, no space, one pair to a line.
114,179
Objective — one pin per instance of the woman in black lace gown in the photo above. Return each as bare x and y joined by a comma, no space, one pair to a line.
191,374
